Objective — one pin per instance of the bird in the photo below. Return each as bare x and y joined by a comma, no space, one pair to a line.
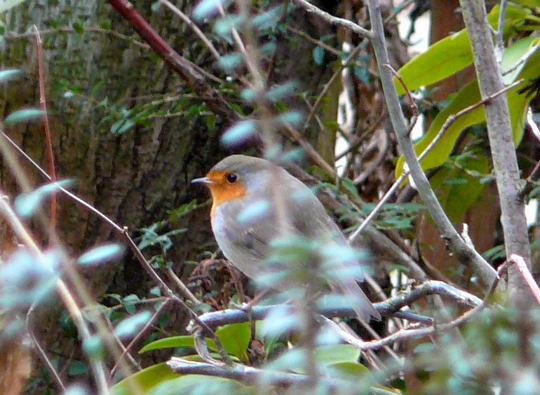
247,220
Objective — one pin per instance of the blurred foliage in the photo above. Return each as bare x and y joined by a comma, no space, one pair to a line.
497,351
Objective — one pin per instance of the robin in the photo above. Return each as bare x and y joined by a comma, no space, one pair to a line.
246,221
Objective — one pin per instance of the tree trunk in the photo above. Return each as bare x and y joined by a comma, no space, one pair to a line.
135,177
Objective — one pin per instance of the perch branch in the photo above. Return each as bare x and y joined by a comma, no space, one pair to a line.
390,307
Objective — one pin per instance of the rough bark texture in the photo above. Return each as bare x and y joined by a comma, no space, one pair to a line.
136,177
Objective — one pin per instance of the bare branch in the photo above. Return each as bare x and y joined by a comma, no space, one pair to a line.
362,32
500,136
526,273
193,27
193,75
387,308
461,250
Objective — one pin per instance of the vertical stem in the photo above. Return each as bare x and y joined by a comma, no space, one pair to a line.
500,135
465,253
48,137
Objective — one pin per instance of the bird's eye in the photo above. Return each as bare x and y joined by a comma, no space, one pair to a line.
231,178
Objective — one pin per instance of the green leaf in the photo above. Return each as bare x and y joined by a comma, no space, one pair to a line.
451,54
200,384
518,102
348,370
23,115
467,96
456,198
336,353
239,132
318,55
169,342
27,203
235,339
7,4
144,380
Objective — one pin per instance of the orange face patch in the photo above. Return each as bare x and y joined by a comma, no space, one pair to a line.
223,189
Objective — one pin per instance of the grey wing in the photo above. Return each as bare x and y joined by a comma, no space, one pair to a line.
315,223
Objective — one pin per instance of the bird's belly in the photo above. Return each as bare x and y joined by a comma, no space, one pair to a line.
242,258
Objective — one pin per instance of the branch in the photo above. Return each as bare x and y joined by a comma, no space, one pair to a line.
457,245
334,20
193,75
451,119
123,233
97,366
503,151
519,262
48,137
389,307
244,373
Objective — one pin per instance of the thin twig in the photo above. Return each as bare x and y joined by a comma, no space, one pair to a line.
460,249
329,83
41,351
192,74
526,273
193,27
140,335
184,290
72,30
98,368
449,121
312,40
362,32
122,232
48,137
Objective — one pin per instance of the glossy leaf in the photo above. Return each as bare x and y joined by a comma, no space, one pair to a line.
144,380
467,96
348,370
336,353
456,198
169,342
451,54
518,102
200,384
235,339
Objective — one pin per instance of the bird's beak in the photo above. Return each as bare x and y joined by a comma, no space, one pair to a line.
203,180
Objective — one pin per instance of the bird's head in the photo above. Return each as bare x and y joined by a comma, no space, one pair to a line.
234,177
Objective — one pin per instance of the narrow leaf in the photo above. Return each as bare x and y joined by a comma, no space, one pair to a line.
100,254
131,325
24,115
8,74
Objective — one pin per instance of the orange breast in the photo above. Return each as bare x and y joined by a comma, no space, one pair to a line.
223,191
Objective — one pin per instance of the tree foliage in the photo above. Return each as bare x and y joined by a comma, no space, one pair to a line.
253,78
